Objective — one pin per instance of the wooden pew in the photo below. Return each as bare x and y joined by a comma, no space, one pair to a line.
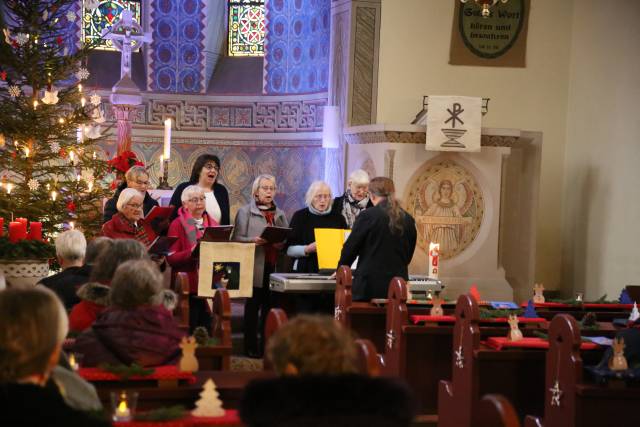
497,411
369,361
579,403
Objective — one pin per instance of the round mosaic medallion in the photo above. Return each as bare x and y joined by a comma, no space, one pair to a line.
236,169
448,206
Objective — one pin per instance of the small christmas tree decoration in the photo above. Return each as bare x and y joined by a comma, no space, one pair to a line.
201,335
83,73
209,404
530,311
618,361
22,38
50,96
538,293
624,297
188,361
14,91
55,147
515,334
33,184
635,314
95,99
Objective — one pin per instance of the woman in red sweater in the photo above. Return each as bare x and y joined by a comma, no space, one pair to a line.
188,227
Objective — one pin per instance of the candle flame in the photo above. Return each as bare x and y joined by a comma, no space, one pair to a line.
9,188
80,87
83,101
54,195
35,104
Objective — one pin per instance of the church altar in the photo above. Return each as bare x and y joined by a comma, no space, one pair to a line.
480,207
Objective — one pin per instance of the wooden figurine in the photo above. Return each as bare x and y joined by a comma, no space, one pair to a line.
436,310
188,361
618,361
538,293
515,334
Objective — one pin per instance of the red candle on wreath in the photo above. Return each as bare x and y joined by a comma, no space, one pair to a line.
1,227
16,231
35,231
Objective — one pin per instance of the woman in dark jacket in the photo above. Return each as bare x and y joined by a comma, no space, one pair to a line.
136,328
384,238
355,199
138,179
205,174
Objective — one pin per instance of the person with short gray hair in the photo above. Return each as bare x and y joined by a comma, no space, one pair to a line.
70,250
251,220
129,223
355,198
137,327
136,178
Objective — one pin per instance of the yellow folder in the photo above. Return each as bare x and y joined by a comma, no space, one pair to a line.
329,242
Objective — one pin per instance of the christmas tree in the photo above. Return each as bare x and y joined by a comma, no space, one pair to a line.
209,404
50,167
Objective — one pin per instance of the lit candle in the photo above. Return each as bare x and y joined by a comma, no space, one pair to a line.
94,155
78,178
71,225
9,188
167,139
72,157
122,411
90,186
80,87
161,165
54,195
83,101
434,258
26,151
61,120
80,135
35,231
35,104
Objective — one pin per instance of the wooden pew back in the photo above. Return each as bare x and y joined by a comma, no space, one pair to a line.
343,295
181,288
497,411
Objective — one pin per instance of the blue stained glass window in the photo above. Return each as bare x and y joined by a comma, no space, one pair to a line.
104,16
246,27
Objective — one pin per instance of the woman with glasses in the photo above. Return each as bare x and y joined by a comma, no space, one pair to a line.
251,220
355,199
205,175
128,223
188,227
138,179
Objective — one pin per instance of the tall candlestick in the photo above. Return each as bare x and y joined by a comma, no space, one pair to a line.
35,231
167,139
161,164
434,260
80,135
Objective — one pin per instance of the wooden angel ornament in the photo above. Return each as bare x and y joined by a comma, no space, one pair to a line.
515,334
436,309
618,361
538,293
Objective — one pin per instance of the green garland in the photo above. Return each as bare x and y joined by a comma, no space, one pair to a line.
125,372
572,301
494,314
26,249
162,414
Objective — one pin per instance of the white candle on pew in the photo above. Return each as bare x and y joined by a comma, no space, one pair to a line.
434,260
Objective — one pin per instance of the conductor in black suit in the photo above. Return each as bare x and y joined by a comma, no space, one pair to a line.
384,238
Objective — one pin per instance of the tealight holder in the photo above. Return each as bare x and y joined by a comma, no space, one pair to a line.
579,296
75,361
123,405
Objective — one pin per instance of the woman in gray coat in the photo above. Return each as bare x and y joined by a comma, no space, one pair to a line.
251,219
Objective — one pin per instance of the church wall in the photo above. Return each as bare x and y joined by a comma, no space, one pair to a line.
414,53
601,232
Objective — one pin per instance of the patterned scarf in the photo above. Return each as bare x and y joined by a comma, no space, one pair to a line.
138,232
351,208
190,226
269,213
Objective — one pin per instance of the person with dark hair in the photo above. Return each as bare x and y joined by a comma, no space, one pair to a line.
136,328
319,383
94,296
383,239
205,173
34,325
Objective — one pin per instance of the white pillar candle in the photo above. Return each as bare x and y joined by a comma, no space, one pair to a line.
167,139
161,165
434,260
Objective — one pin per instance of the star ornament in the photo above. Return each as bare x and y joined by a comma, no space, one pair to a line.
82,73
14,91
33,184
95,99
22,38
459,358
556,394
218,267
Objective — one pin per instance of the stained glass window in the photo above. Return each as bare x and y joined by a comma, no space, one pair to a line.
94,20
246,27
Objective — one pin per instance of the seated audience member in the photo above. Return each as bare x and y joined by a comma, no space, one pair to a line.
355,199
319,385
34,325
94,247
128,223
94,296
188,228
138,179
70,251
136,327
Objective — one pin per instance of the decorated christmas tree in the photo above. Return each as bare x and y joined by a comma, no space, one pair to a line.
50,164
209,404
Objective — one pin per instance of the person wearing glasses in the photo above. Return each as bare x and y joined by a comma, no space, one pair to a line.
138,179
128,222
251,220
355,199
204,174
188,227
